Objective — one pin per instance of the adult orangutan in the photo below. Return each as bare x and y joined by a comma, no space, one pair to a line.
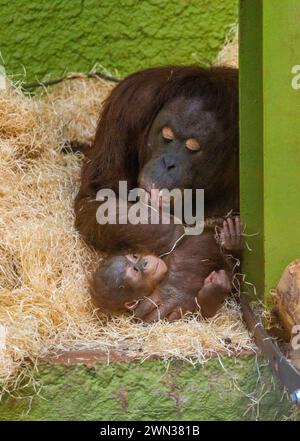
168,127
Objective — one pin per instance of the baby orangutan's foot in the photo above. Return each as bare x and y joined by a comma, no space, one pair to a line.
211,297
219,278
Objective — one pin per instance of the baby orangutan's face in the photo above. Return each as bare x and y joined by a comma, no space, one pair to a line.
144,272
123,280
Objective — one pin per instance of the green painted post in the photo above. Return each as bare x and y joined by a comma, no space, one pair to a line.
251,136
270,136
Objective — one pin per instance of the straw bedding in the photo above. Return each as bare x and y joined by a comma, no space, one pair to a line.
229,54
44,265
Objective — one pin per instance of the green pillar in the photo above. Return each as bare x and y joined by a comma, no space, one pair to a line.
270,137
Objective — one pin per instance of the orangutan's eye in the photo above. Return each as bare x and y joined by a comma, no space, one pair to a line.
167,134
192,144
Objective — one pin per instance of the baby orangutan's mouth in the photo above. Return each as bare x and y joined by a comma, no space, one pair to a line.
158,266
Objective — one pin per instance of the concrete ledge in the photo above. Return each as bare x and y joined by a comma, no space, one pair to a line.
89,357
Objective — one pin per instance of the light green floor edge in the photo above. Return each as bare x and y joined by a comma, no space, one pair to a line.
239,389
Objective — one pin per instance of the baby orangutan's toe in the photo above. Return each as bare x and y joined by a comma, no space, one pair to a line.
218,278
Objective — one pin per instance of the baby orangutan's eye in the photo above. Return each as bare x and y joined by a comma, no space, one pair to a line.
144,263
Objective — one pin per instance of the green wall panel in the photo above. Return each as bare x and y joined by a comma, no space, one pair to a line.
270,137
281,48
251,139
55,36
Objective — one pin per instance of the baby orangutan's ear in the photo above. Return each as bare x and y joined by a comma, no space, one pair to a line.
131,305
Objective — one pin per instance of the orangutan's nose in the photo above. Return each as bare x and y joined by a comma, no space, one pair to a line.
168,163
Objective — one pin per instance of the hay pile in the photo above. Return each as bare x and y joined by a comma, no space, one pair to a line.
229,54
44,301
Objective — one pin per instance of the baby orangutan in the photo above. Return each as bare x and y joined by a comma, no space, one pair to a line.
122,280
197,266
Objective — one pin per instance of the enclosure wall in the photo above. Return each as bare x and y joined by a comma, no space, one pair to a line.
51,37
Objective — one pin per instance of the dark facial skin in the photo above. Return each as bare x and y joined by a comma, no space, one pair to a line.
122,280
180,144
